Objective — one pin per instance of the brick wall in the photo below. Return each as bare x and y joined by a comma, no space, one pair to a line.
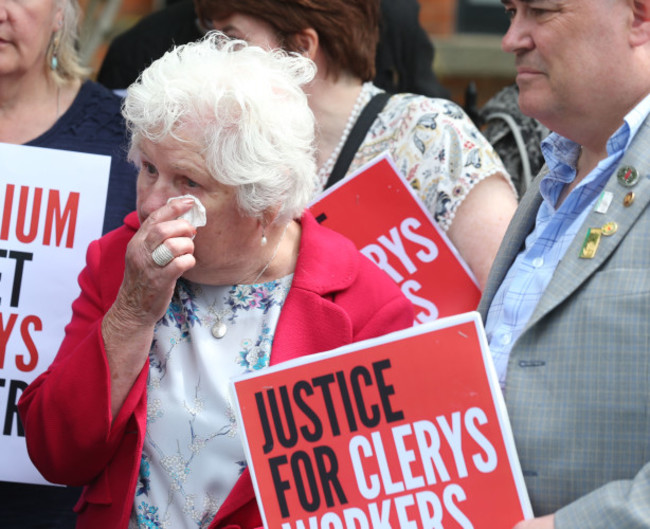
438,17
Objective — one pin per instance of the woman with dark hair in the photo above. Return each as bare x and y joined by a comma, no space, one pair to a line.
434,144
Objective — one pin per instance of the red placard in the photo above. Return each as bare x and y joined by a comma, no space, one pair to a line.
376,208
408,430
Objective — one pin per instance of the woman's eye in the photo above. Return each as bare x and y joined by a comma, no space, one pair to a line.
149,168
233,33
191,183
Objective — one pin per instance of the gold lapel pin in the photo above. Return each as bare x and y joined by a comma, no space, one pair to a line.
609,228
628,199
590,244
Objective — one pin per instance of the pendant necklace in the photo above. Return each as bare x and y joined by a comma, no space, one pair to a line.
219,328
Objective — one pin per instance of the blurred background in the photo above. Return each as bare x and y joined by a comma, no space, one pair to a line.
466,35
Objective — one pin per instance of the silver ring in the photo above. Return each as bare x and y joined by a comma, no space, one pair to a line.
162,255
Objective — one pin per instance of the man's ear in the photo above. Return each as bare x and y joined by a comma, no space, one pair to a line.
640,31
306,41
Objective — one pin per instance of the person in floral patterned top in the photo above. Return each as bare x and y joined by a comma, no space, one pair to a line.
451,166
219,272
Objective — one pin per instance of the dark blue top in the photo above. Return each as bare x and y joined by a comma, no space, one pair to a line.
94,124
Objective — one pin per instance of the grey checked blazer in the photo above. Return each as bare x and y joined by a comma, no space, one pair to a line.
578,381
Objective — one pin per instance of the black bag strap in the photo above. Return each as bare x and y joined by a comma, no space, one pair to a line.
357,134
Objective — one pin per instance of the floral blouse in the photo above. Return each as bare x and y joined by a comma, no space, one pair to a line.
193,454
435,146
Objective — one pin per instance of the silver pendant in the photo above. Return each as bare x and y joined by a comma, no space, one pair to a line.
219,329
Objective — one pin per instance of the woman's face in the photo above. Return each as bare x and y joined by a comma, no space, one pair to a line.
26,27
253,30
230,240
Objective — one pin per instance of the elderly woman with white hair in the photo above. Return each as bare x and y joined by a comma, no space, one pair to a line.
136,405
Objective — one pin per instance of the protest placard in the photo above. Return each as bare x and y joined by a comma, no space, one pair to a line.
376,208
408,430
53,205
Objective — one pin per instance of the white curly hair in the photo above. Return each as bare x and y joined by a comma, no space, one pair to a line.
244,107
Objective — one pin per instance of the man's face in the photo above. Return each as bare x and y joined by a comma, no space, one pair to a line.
570,56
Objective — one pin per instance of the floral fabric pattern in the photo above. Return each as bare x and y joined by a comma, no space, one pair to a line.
193,454
435,146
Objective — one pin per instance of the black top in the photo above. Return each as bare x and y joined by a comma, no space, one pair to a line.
405,53
135,49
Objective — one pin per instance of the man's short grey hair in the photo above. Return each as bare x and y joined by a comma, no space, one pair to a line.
245,109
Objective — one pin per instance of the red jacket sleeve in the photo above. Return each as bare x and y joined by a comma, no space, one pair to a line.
69,430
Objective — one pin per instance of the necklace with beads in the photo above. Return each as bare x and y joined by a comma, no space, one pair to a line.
326,169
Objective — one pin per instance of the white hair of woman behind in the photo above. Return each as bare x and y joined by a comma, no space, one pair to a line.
244,107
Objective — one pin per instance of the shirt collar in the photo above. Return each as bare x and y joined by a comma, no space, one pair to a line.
561,154
560,150
636,117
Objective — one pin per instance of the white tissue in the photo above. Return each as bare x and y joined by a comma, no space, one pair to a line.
195,216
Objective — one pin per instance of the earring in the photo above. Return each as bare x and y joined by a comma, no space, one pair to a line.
54,61
264,239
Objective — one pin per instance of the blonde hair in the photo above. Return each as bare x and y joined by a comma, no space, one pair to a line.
64,44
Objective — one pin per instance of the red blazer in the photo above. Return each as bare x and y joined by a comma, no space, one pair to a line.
337,297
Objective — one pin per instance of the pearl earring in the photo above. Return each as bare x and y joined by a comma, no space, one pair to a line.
264,239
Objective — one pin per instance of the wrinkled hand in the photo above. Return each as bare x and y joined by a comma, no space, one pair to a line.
147,287
143,298
544,522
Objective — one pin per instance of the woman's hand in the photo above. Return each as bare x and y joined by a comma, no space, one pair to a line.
145,293
147,287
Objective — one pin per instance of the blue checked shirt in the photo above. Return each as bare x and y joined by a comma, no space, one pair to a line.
554,231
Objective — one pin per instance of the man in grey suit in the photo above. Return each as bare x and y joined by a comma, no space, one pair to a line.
567,303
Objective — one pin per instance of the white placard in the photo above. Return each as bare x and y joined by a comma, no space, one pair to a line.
51,207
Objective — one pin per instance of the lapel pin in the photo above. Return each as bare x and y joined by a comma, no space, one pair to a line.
627,176
604,201
590,244
609,228
628,199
